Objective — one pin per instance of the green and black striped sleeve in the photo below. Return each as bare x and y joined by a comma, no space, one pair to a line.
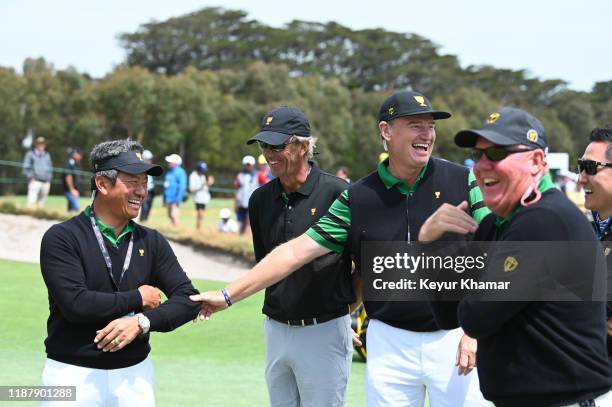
331,230
478,210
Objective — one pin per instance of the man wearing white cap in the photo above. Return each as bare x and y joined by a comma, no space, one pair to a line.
227,224
245,183
175,185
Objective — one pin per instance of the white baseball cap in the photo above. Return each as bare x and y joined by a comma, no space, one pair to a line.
225,213
248,159
174,159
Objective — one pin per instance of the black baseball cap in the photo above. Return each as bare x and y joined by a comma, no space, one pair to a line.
280,124
507,127
408,103
129,162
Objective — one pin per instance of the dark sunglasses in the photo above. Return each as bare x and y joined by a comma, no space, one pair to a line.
590,166
277,148
496,153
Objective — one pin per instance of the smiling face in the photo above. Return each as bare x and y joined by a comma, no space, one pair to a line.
124,199
598,187
286,164
410,139
504,182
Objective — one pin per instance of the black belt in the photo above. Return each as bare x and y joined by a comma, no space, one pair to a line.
312,321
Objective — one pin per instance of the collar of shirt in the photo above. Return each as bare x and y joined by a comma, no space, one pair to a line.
545,184
109,231
390,180
305,189
601,225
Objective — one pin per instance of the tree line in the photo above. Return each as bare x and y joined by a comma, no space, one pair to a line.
199,84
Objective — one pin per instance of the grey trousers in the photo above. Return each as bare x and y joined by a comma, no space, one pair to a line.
308,365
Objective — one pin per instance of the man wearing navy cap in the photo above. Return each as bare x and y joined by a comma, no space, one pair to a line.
99,268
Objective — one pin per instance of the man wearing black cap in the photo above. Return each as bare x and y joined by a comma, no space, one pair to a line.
307,328
407,352
534,349
70,178
100,268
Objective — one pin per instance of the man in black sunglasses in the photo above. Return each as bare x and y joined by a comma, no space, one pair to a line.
595,177
307,326
533,349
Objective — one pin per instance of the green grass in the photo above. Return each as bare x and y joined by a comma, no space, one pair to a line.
217,363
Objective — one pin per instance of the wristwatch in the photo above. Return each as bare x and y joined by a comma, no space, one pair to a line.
144,323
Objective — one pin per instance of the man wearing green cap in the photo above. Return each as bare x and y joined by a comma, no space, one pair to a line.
408,353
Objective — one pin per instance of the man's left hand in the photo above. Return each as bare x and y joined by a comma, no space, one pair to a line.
466,355
117,334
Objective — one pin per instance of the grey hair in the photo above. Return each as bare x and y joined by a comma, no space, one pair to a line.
312,143
107,149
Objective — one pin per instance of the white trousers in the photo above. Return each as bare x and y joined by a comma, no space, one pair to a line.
125,387
402,365
37,193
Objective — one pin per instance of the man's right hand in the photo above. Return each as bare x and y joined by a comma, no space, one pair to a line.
447,218
212,301
151,297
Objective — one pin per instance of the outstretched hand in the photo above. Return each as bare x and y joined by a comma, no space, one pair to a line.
212,301
448,218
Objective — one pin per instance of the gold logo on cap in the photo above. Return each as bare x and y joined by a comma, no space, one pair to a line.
420,100
269,120
139,156
607,251
510,264
313,211
532,135
437,194
141,252
391,110
493,117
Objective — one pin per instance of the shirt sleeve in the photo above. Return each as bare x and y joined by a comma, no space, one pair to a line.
476,201
168,276
331,230
64,276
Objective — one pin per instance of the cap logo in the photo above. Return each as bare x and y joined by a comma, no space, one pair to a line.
313,211
607,251
510,264
141,252
269,120
139,156
493,117
420,100
532,135
391,110
437,194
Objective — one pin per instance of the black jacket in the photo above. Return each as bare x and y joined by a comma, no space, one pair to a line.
83,299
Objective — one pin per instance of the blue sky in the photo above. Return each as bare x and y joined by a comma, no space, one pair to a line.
562,39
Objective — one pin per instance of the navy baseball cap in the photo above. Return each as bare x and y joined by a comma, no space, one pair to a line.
507,127
130,162
280,124
408,103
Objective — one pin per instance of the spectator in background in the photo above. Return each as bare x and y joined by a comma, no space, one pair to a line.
147,204
264,175
198,186
245,183
38,169
70,178
343,173
227,224
175,186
